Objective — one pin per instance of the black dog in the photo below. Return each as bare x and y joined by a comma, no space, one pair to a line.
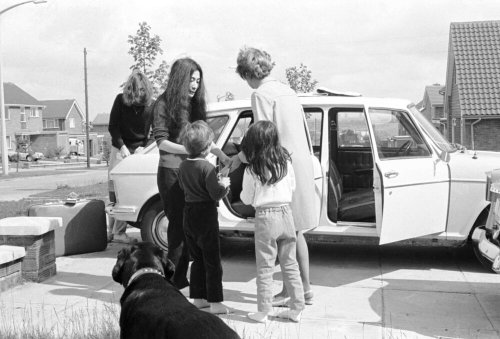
154,308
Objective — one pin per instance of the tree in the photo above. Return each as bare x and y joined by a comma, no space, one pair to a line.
145,48
300,79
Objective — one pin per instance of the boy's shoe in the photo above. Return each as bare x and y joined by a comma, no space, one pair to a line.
123,238
219,308
293,315
201,303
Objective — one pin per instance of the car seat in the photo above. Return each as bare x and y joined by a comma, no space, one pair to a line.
356,205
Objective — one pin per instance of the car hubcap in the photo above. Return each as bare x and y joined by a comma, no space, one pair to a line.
160,227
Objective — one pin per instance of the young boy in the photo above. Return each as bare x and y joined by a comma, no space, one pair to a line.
202,190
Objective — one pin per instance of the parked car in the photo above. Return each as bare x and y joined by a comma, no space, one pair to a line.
383,174
487,238
25,156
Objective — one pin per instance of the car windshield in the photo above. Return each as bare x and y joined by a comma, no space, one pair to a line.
431,131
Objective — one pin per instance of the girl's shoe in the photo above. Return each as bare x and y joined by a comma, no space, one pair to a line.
293,315
281,300
260,317
309,297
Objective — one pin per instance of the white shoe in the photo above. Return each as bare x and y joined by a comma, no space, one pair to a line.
260,317
293,315
200,303
123,238
219,308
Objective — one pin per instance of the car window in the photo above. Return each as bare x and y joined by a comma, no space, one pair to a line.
217,125
396,135
232,146
352,130
314,120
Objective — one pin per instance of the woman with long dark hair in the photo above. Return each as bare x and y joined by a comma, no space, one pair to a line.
182,102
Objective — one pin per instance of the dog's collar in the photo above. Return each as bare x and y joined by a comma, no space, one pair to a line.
142,271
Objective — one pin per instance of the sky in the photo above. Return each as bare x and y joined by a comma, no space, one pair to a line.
382,48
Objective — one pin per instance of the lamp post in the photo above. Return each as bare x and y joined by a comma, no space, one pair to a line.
3,150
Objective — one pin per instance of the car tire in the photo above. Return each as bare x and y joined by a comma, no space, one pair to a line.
29,158
154,225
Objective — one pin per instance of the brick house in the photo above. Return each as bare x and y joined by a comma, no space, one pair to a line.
432,105
100,126
23,116
472,97
65,121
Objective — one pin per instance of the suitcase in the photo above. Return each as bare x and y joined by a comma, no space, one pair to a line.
84,225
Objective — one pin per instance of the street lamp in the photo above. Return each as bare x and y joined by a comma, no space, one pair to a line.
3,150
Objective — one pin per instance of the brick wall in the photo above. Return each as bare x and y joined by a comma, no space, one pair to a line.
486,135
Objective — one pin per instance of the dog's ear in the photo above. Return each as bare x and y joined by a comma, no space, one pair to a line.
122,256
168,266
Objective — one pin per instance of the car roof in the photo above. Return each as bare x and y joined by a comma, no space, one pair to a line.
318,100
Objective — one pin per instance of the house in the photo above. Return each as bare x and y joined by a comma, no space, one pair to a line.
23,116
100,125
65,120
472,97
432,105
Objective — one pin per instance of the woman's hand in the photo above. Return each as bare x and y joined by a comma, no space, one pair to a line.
124,152
235,163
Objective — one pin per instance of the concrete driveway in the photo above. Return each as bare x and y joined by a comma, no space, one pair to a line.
360,292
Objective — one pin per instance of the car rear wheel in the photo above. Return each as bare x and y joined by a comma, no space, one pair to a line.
29,158
154,225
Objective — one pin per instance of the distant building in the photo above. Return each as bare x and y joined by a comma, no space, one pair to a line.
472,97
65,120
100,125
432,106
23,116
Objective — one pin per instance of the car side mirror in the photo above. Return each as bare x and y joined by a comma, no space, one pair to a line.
444,156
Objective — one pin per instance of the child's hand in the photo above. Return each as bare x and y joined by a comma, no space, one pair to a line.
225,182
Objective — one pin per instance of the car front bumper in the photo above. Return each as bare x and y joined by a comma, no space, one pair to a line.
487,249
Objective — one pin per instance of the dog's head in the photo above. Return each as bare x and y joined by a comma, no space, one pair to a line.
141,255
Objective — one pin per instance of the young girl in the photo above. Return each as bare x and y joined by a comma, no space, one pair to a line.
268,184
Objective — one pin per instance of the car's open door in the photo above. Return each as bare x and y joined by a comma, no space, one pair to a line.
411,183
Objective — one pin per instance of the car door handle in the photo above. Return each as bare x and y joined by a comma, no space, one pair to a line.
391,174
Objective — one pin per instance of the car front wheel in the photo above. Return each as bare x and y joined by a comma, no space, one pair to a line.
154,225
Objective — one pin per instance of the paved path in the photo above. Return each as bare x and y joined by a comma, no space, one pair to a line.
22,187
360,292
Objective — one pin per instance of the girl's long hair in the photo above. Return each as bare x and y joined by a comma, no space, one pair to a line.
181,108
267,159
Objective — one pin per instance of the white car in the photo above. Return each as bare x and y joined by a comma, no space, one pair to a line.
383,174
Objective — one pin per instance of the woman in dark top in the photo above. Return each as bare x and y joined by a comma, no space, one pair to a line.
183,101
129,126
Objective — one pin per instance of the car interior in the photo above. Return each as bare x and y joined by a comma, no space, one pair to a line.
350,172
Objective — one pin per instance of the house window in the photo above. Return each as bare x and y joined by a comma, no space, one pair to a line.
9,142
30,112
22,118
71,122
8,113
38,112
49,123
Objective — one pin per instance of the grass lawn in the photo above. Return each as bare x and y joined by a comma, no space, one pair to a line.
20,207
